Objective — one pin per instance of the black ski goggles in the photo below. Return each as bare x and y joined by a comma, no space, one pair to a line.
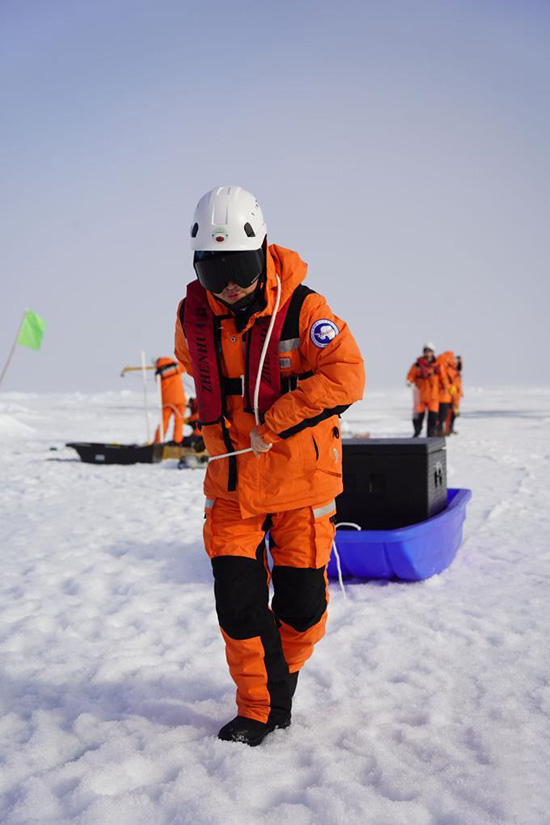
215,270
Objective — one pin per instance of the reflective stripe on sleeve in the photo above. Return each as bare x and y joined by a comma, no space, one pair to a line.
209,503
324,511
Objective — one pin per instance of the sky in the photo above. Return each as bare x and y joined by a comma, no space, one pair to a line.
400,146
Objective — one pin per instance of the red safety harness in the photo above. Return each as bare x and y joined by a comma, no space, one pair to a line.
427,369
202,330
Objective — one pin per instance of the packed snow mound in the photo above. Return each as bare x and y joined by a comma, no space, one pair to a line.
11,426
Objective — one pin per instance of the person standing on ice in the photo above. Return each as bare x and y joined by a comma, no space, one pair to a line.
424,376
173,397
457,395
449,393
445,364
273,369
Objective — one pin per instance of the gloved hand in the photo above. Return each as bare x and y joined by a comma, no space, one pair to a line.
258,444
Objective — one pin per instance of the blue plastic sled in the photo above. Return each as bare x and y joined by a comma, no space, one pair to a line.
409,553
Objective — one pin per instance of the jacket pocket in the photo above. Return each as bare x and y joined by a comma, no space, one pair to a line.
328,447
316,448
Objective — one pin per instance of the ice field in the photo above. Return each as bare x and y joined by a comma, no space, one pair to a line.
425,704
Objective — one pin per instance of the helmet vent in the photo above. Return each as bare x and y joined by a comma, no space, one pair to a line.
249,231
194,230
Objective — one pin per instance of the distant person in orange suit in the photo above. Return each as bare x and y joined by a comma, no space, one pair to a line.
447,390
173,397
424,376
457,395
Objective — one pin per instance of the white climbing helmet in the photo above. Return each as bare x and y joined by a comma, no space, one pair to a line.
430,345
227,219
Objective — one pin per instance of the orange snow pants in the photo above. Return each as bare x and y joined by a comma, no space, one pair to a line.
167,412
264,644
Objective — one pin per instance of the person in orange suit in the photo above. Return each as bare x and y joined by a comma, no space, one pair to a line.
445,363
457,395
424,376
173,397
249,302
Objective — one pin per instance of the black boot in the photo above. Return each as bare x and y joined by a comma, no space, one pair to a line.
250,731
442,419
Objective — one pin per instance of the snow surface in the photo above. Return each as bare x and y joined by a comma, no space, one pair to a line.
425,704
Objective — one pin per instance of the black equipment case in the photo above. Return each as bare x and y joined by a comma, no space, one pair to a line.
392,482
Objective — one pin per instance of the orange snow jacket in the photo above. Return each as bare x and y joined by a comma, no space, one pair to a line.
425,376
170,372
458,382
451,366
304,466
445,362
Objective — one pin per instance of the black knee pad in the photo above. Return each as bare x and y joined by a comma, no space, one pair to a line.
300,596
240,588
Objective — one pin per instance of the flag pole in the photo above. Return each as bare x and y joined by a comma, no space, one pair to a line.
159,395
145,399
191,391
10,356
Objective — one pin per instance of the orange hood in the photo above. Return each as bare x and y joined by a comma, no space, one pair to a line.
446,358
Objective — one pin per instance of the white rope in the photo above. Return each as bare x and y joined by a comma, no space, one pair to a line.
225,455
339,567
259,376
264,351
337,555
174,410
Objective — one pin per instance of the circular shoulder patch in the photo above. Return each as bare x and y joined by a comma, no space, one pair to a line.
323,332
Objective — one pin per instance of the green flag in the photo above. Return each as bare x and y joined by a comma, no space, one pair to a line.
32,330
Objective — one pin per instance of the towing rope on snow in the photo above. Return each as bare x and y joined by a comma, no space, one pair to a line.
337,555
